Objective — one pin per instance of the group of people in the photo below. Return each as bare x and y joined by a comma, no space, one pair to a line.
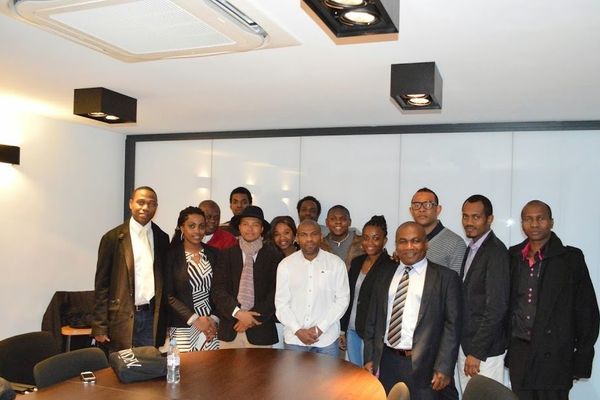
432,307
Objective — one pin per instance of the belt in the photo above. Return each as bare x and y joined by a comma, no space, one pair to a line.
142,307
401,352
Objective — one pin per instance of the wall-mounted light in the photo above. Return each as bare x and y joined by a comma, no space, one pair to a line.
357,17
104,105
416,86
10,154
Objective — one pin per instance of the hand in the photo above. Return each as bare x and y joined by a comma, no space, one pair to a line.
472,366
207,326
343,346
307,336
439,381
246,320
101,338
369,366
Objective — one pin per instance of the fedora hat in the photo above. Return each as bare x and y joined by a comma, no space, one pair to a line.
254,212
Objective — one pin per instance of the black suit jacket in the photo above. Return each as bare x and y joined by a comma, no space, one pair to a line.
437,332
177,285
486,289
226,283
114,287
366,289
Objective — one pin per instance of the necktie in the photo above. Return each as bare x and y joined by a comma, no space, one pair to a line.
398,309
246,290
145,275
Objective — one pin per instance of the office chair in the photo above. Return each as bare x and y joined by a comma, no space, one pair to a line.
399,392
19,354
68,365
481,387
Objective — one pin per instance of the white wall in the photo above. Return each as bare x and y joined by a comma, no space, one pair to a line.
379,174
54,207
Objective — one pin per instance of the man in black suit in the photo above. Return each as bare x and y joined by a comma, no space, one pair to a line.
129,280
243,288
412,331
553,311
486,284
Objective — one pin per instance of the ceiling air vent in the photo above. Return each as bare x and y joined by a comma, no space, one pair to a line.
142,30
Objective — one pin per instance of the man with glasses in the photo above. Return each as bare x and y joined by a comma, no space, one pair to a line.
553,311
445,247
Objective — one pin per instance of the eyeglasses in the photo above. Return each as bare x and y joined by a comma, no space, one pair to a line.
427,205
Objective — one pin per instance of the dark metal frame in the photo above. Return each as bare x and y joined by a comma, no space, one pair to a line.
132,140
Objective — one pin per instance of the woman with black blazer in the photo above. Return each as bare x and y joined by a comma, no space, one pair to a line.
188,279
361,276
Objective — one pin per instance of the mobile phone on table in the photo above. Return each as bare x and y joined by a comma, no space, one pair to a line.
88,377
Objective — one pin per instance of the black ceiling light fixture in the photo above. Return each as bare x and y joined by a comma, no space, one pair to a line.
416,86
10,154
104,105
357,17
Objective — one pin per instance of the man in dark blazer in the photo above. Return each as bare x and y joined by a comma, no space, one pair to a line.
421,350
129,279
486,284
553,311
243,288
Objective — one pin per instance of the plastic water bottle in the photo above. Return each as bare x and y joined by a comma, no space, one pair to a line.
173,360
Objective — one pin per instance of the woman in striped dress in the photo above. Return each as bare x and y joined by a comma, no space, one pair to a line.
188,278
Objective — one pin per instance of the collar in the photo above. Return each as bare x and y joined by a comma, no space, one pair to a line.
137,228
538,256
419,267
474,246
438,228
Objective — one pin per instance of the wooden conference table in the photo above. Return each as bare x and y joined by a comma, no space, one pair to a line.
249,374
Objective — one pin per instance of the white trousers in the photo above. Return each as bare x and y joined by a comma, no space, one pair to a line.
492,368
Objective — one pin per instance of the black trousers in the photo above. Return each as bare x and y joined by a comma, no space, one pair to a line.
395,368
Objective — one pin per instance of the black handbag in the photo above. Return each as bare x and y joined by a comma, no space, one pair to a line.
138,364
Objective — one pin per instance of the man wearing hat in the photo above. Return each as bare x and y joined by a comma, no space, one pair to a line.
243,288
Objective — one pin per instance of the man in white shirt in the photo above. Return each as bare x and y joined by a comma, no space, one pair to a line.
312,294
129,281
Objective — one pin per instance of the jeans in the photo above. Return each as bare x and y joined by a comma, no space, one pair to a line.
142,328
331,350
354,347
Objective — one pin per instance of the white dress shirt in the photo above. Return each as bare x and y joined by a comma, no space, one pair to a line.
143,261
412,305
311,293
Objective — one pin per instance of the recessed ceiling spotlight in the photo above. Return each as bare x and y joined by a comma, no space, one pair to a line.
359,18
112,118
97,114
344,3
419,100
346,18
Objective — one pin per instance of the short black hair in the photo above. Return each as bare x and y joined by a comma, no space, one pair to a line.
339,207
537,203
148,188
427,190
487,204
309,198
241,190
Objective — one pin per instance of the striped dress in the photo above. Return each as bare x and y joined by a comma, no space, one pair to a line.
189,338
